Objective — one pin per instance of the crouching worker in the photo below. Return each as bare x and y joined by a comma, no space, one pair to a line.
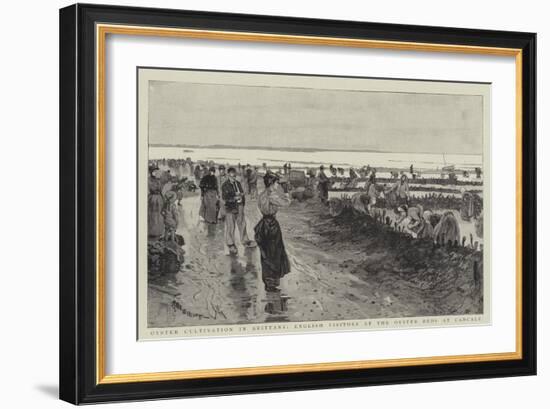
269,238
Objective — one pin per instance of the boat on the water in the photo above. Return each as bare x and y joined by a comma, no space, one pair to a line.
447,168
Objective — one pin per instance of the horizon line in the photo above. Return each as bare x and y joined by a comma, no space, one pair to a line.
300,149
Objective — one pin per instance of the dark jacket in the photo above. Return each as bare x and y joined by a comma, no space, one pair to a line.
208,182
229,194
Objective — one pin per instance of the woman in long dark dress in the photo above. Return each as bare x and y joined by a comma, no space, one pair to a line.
209,197
268,236
155,204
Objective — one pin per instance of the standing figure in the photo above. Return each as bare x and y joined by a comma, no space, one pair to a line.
188,167
179,188
171,216
372,193
197,174
273,257
471,205
252,174
222,178
234,199
155,203
209,197
180,170
323,185
243,178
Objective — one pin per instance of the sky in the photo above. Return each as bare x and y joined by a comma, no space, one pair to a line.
183,113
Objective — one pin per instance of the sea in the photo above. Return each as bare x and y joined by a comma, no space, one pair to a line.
313,158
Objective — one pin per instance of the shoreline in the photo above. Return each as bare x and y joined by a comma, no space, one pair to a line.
382,161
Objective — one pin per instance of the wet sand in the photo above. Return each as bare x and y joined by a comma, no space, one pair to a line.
336,274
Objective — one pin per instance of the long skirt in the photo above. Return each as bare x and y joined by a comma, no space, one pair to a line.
155,220
273,257
209,206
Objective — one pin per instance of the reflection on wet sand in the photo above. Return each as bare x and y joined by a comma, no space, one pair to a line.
243,291
213,287
276,307
250,300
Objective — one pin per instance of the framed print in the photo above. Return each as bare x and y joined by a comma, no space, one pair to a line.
261,295
258,203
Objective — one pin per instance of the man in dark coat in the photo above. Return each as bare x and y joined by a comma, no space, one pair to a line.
233,196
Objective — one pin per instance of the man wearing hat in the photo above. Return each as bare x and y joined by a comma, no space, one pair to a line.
233,196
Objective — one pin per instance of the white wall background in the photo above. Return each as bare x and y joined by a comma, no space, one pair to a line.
29,205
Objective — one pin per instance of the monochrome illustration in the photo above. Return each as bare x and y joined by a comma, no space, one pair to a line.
280,203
